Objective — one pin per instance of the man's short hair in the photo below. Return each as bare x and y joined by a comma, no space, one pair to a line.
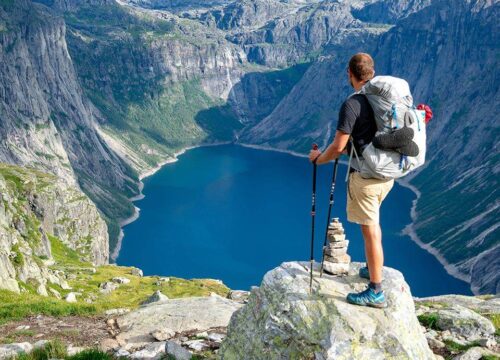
362,67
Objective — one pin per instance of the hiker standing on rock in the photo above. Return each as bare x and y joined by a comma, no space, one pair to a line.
365,195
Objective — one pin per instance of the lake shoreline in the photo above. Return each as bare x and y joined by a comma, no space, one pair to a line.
408,230
124,222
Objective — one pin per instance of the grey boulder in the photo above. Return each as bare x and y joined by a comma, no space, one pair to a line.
282,320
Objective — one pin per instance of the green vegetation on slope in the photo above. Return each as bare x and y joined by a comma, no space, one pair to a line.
105,20
150,115
165,124
19,306
27,195
86,279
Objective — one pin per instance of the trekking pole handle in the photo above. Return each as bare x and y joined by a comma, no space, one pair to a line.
315,147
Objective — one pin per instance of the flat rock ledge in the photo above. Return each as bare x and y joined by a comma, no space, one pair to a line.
282,320
182,315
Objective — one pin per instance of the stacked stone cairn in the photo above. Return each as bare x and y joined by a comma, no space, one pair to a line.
337,260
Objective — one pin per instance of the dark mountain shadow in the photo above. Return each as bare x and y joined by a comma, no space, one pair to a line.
249,101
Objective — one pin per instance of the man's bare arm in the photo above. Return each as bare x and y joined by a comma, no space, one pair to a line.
333,151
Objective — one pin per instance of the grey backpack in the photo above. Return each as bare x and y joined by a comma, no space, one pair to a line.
392,104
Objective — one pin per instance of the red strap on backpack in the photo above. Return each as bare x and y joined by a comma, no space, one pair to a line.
428,111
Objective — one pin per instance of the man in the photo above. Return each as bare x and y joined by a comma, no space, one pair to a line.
364,196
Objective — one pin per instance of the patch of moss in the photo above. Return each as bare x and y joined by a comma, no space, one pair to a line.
429,320
490,357
495,319
432,304
18,259
456,347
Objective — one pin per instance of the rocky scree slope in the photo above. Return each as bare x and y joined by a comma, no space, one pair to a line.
446,51
37,213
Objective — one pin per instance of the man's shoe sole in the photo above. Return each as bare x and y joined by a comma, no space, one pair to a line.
377,306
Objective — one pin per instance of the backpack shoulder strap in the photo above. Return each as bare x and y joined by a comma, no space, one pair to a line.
355,153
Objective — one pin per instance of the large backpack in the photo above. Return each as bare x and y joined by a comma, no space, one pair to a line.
392,104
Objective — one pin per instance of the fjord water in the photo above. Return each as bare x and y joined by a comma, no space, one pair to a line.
233,213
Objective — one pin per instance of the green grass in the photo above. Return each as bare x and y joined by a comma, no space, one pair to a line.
140,288
19,306
18,257
429,320
28,303
16,335
92,354
495,319
456,347
490,357
52,350
64,256
57,350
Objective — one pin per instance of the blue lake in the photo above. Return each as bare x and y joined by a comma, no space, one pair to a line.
233,213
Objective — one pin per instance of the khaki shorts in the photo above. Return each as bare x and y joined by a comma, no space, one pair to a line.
364,197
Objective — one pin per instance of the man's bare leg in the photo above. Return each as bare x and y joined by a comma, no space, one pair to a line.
373,295
372,235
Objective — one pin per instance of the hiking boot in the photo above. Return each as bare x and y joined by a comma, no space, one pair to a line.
396,139
364,272
367,297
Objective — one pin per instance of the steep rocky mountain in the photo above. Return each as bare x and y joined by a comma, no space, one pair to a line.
280,33
176,5
387,11
47,122
447,53
117,87
40,214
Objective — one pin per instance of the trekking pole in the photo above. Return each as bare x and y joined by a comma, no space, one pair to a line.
313,214
329,213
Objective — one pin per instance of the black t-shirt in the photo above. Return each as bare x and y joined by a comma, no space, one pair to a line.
356,118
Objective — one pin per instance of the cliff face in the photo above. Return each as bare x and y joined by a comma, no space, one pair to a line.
279,33
38,211
47,122
176,5
387,11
